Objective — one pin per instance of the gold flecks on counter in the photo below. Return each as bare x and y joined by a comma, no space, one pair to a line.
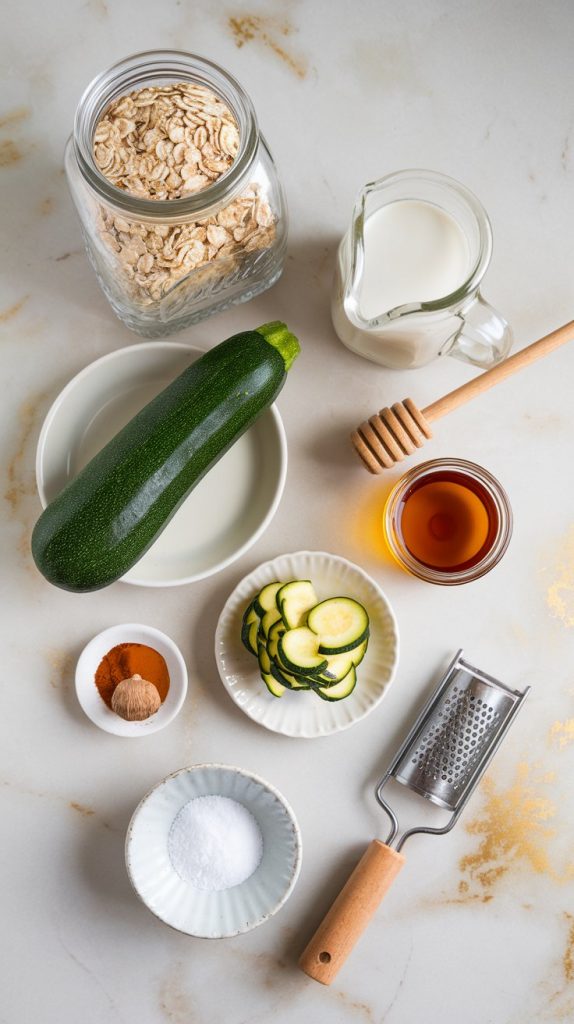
514,831
464,894
98,7
20,490
174,1001
568,957
562,733
61,668
558,986
82,809
14,116
20,481
86,812
247,27
11,311
356,1007
560,592
9,153
46,206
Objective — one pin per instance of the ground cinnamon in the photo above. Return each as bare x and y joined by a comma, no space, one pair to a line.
127,660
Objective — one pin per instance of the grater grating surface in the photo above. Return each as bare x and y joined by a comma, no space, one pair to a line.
453,740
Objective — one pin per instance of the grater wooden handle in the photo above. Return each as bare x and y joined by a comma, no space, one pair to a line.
351,912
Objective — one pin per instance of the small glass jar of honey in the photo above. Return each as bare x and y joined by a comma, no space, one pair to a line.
448,521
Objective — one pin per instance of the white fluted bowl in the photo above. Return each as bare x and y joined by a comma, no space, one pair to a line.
213,915
303,713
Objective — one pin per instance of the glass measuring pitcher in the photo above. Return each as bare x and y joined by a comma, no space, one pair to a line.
454,253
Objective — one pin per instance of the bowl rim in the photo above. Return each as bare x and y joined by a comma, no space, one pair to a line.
254,777
126,351
140,728
306,553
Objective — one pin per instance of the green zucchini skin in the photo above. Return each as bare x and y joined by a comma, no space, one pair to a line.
105,519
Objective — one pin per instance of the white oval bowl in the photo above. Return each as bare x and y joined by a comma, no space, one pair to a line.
303,714
213,915
87,692
228,510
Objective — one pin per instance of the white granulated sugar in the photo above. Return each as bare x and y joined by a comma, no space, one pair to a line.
214,843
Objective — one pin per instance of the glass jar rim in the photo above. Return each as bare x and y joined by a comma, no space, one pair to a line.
498,547
134,72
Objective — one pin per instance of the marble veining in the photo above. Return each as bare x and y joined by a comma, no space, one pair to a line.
343,97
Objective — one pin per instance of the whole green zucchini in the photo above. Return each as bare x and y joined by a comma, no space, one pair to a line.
110,514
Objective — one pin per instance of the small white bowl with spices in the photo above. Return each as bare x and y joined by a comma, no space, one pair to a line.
119,653
213,851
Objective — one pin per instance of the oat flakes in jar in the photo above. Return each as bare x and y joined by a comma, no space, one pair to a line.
182,210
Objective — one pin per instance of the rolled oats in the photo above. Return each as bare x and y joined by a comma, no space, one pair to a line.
145,140
165,143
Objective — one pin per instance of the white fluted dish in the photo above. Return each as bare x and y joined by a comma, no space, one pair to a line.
302,713
227,511
213,915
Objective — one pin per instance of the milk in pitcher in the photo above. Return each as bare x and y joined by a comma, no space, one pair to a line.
408,274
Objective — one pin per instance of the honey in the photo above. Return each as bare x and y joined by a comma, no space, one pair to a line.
448,521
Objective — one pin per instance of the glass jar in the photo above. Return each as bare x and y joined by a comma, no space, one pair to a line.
125,235
459,524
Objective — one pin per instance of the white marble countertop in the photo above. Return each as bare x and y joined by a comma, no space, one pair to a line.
480,926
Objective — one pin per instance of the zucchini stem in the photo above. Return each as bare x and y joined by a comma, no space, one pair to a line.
278,334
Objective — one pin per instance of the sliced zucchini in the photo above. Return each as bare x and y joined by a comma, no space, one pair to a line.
297,650
359,652
276,631
274,687
249,631
294,600
269,618
264,659
337,667
340,690
287,679
339,664
265,599
340,623
250,615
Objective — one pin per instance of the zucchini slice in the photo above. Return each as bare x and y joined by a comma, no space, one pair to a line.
297,650
274,687
294,601
250,614
339,664
265,599
263,659
269,618
249,631
276,631
337,667
359,652
340,623
340,690
287,679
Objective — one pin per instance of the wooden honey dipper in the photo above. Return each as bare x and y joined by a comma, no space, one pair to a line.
394,433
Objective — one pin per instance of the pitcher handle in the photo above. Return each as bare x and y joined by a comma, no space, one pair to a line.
484,337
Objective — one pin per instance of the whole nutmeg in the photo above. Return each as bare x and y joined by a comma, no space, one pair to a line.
135,699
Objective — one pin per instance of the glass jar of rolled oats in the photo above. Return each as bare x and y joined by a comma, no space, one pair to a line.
180,202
